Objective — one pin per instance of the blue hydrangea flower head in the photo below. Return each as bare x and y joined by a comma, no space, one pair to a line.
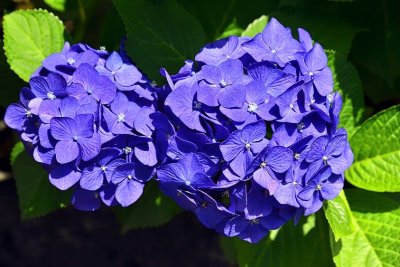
90,117
262,114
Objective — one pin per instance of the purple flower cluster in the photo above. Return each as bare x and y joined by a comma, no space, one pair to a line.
248,138
89,117
257,142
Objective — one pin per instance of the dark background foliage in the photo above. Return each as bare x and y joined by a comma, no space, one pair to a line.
366,33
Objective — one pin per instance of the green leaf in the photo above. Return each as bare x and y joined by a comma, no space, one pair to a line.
29,37
323,26
256,26
232,29
16,151
376,148
58,5
303,245
152,209
338,214
348,84
215,16
228,247
160,34
375,241
36,195
10,82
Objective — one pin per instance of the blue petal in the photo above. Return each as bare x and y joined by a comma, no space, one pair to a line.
85,200
128,192
64,176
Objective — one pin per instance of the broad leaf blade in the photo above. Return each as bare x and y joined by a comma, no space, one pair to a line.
152,209
29,37
16,151
255,27
10,82
375,241
232,29
376,147
36,195
322,25
338,214
160,34
303,245
348,84
58,5
215,16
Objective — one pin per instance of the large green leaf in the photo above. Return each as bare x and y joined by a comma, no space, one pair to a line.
152,209
16,151
10,82
376,50
232,29
36,195
324,27
376,147
215,16
29,37
306,244
160,34
338,214
376,240
348,84
58,5
256,26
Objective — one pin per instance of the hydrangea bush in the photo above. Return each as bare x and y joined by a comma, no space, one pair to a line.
256,141
251,132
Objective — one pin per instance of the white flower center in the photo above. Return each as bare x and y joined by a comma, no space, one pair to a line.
103,48
300,126
248,146
255,221
223,83
273,51
129,177
325,159
197,105
252,107
71,61
330,98
28,113
103,168
263,164
121,117
75,138
187,182
127,150
51,96
296,156
318,187
113,72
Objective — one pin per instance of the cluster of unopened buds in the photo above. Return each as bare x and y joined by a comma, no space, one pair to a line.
247,139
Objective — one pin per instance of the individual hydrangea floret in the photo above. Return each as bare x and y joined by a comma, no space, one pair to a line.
90,117
257,141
